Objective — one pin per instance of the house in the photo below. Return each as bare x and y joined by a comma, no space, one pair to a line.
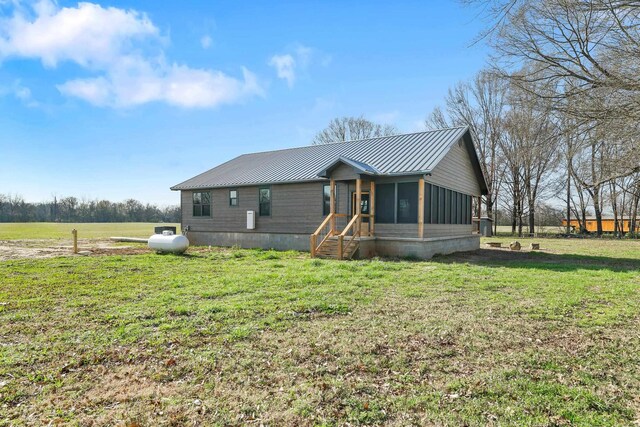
608,224
404,195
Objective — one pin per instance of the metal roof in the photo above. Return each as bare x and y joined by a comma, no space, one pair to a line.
415,153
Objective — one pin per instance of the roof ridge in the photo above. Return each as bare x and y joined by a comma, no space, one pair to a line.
353,140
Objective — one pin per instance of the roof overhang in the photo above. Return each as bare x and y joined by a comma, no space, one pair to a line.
475,162
359,167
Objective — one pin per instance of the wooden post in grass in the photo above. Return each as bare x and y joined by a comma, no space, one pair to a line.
75,240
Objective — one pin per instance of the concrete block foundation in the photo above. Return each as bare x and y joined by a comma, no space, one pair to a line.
391,247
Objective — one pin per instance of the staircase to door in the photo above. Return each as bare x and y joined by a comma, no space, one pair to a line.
327,243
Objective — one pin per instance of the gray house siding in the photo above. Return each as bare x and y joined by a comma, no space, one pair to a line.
343,172
455,172
295,209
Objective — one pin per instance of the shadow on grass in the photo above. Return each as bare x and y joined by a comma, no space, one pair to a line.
541,260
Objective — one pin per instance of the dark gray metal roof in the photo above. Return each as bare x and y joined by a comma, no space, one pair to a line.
408,154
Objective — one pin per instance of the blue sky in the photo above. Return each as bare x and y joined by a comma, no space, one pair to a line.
121,99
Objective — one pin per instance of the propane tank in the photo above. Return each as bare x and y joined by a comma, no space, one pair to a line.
168,242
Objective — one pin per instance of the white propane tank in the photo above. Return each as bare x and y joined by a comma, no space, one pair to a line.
168,242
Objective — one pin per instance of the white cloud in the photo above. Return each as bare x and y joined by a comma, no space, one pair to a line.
89,35
289,65
205,42
285,67
134,82
111,43
20,92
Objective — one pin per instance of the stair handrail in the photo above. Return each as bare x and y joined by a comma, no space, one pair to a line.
356,233
314,237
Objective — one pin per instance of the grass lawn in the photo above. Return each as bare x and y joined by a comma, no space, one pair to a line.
56,230
247,337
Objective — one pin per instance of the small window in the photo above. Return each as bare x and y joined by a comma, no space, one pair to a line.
202,204
264,201
233,197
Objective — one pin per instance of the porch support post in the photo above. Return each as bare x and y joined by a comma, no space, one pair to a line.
372,208
332,204
421,207
358,199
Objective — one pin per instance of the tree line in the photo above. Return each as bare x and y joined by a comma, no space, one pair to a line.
555,116
14,208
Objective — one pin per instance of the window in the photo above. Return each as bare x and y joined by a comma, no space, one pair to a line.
408,203
448,209
202,204
264,201
385,202
458,208
326,198
233,197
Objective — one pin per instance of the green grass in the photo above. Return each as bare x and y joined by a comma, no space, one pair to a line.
239,337
54,230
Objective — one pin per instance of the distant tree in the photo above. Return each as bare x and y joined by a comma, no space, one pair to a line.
352,128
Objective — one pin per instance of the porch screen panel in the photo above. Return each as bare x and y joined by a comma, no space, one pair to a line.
434,204
442,206
385,202
427,204
408,203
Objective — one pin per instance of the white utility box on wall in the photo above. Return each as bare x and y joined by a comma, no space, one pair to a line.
251,220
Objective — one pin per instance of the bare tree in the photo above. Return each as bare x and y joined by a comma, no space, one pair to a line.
533,138
590,49
352,128
479,105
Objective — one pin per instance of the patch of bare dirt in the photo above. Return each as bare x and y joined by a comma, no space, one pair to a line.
37,249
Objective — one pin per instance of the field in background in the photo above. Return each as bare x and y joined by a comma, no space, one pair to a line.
551,229
250,337
86,230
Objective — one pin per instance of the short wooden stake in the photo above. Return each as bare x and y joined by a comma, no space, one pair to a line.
75,240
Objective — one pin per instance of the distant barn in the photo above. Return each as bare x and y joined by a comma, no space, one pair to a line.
608,224
402,195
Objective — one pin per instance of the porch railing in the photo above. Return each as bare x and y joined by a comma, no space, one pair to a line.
354,229
324,232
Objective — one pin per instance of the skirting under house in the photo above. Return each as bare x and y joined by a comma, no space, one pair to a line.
369,247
